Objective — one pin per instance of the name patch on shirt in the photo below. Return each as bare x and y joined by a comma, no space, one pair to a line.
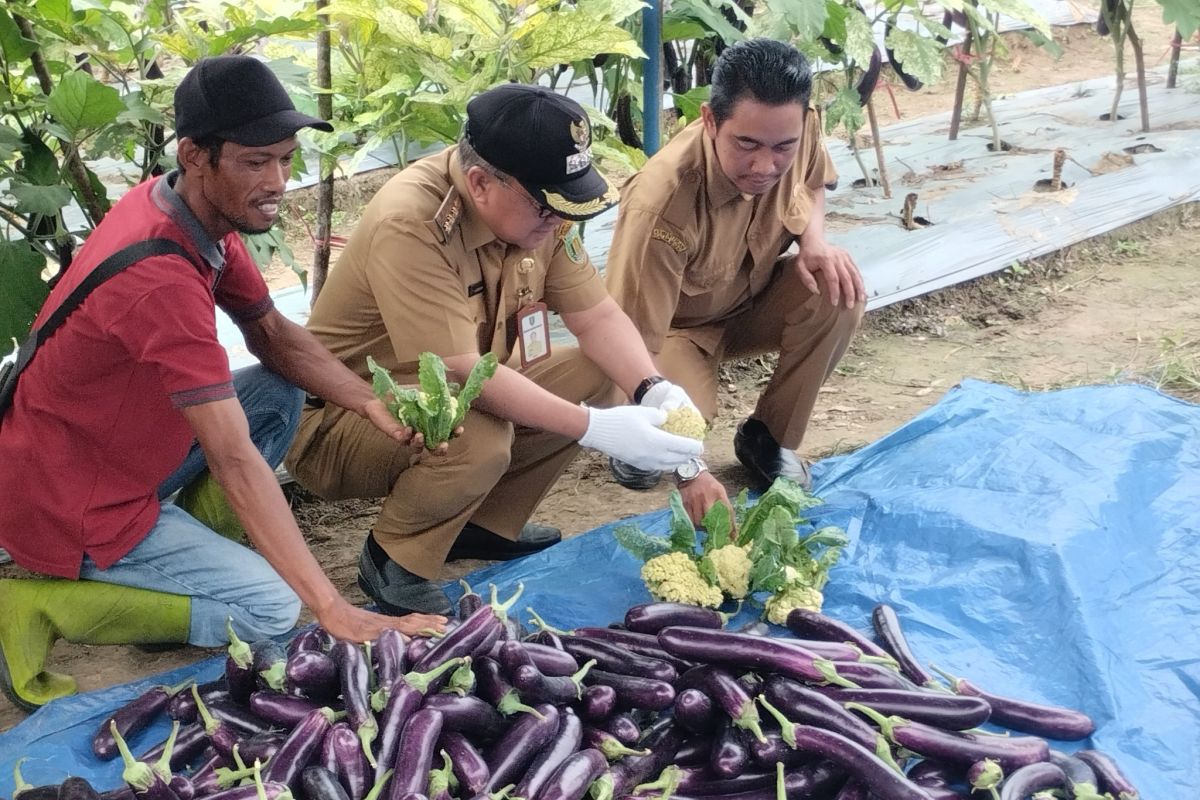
474,289
670,239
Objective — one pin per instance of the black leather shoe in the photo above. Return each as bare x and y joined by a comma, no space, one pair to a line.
758,451
396,590
632,477
480,543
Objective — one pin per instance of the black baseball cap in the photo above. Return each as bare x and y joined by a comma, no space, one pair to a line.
239,99
544,141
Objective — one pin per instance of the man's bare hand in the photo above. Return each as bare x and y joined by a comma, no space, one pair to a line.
355,624
829,270
702,493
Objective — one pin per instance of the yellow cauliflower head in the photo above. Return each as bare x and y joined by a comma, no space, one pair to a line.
674,577
732,565
685,421
781,603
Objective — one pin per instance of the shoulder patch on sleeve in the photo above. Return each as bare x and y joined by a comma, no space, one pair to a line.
447,216
670,239
573,243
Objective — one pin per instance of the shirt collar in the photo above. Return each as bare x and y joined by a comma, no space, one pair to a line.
172,204
720,189
475,231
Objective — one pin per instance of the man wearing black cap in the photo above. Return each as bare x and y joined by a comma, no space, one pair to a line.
132,399
461,254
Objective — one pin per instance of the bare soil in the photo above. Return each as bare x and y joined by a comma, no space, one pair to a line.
1117,308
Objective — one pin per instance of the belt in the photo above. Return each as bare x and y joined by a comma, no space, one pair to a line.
314,402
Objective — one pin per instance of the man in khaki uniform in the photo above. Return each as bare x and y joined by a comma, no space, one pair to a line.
460,254
698,259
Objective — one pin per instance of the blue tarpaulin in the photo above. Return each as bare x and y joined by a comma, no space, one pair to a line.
1045,546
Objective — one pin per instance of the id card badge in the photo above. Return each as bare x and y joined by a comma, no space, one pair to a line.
533,327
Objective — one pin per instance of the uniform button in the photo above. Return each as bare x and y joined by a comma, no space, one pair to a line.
526,266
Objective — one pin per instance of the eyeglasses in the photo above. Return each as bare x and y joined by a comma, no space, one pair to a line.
542,211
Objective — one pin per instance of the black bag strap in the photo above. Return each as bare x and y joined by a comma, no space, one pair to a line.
125,257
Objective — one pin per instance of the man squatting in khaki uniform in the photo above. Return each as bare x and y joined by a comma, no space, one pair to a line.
452,256
698,262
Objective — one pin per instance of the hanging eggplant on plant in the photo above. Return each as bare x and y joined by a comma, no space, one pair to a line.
911,82
870,77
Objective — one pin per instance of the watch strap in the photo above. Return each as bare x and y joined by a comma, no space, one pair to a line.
645,386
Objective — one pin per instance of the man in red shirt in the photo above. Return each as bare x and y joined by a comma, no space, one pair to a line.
133,398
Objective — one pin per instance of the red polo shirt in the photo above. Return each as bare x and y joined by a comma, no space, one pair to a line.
95,425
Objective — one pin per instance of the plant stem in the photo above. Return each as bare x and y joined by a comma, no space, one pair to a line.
878,142
1117,26
1140,67
320,267
1173,69
960,88
858,157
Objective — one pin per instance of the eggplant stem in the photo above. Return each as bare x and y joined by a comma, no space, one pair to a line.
577,678
830,674
668,780
377,789
501,609
780,783
542,625
886,724
19,783
602,788
786,726
953,680
239,651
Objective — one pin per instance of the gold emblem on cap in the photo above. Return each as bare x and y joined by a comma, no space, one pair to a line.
581,134
525,266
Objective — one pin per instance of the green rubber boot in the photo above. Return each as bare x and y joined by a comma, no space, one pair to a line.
205,500
36,613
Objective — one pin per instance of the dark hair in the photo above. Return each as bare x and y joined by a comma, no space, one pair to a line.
469,157
212,144
771,72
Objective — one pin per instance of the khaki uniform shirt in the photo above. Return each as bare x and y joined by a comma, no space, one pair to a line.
690,251
422,272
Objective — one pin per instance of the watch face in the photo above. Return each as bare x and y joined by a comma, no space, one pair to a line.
690,470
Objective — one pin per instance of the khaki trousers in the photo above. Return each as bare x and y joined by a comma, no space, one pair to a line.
810,335
492,475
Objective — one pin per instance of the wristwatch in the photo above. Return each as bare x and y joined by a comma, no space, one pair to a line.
690,470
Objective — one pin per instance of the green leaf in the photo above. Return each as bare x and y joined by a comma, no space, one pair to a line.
642,545
1183,14
806,18
80,102
16,47
919,55
567,37
690,102
10,143
707,570
44,200
484,368
718,526
1053,48
783,493
38,164
435,399
835,20
707,14
683,533
385,388
1020,11
682,30
22,291
859,41
844,110
56,10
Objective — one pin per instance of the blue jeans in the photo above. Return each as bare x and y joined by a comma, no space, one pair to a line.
182,556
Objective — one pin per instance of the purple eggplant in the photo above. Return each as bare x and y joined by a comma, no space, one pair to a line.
467,714
182,786
635,692
390,662
299,748
942,710
624,727
281,709
354,674
122,792
442,781
76,788
811,707
836,651
148,781
612,747
473,638
341,754
315,638
519,745
984,776
818,780
269,661
1109,775
870,675
406,697
962,748
808,624
742,651
614,658
597,702
22,790
417,647
182,706
204,777
131,718
574,776
239,666
699,781
729,695
535,687
1052,722
469,602
694,710
261,746
1081,778
870,77
887,628
414,755
469,764
238,716
312,673
661,743
221,735
318,783
643,644
775,750
730,755
931,773
1032,778
262,791
562,745
882,778
693,752
653,617
189,743
493,687
552,661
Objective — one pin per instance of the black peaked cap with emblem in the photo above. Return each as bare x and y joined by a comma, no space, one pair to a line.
544,141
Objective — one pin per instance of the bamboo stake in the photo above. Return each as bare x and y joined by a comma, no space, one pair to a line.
877,141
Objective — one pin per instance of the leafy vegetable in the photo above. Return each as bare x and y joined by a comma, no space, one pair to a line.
438,406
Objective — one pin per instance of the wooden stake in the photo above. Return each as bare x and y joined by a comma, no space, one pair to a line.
1173,69
1140,67
320,268
960,88
875,138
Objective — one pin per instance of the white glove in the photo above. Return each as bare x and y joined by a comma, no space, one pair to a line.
631,434
667,395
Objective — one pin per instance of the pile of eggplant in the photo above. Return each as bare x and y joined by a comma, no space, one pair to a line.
667,704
